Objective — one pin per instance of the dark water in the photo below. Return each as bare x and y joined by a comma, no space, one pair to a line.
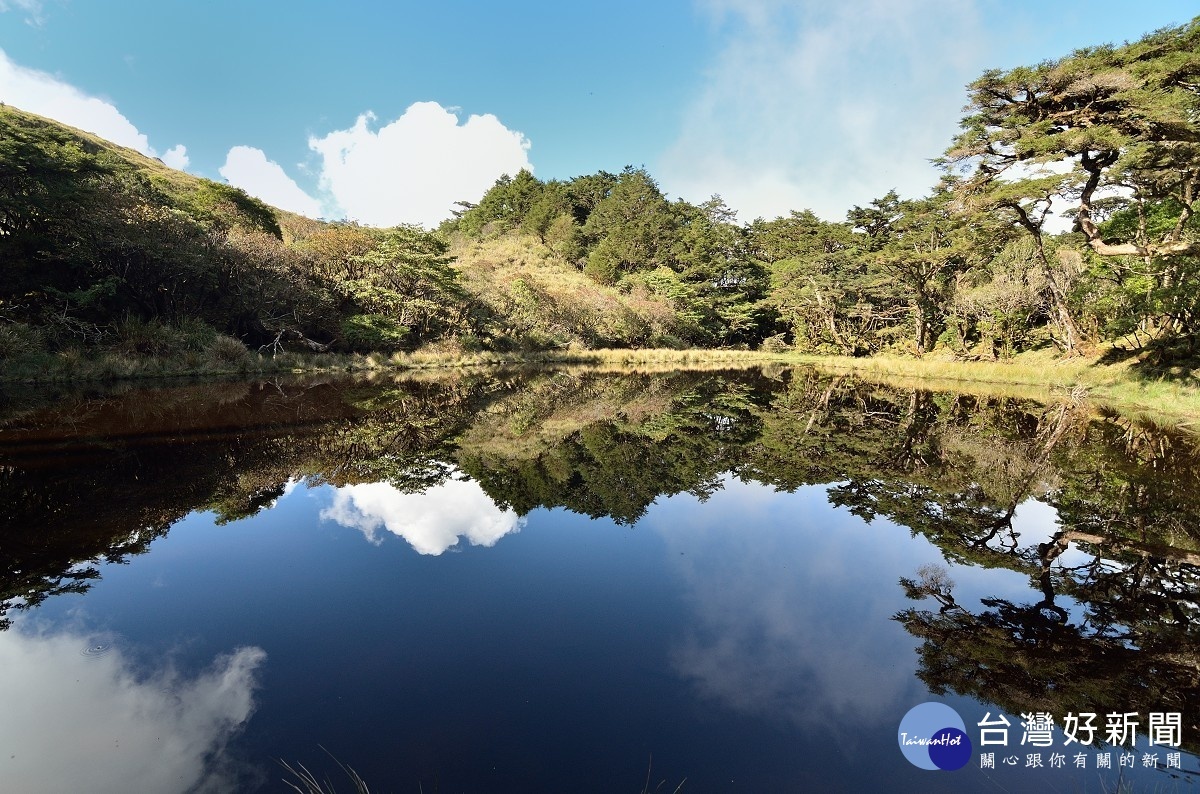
577,582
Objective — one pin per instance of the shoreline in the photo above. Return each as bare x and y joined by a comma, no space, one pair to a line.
108,368
1171,394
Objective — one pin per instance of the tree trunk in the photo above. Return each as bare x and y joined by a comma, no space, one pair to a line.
1072,338
922,335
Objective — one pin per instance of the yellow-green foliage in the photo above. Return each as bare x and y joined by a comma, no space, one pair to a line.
178,188
1172,393
536,299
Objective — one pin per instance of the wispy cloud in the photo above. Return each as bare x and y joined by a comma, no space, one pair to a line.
768,640
32,9
824,105
81,717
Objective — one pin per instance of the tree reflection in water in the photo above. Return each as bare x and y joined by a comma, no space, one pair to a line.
1110,625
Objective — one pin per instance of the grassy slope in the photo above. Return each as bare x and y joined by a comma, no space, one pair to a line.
175,184
541,299
178,188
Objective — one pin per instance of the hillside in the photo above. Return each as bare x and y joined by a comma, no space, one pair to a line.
539,301
105,248
106,251
37,149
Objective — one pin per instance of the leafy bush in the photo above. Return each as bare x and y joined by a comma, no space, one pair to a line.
776,344
373,332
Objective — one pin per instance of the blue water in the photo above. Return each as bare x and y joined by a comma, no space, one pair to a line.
437,643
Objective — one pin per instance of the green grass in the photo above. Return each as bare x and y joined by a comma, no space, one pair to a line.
1129,386
219,360
170,181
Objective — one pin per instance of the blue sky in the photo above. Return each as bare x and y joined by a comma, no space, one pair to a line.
775,105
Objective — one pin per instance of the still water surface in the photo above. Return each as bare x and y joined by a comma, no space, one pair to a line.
557,581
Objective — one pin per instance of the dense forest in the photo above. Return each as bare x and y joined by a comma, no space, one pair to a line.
1064,217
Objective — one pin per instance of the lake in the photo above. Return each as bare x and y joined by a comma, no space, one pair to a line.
570,580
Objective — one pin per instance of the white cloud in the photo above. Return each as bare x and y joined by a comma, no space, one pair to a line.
431,522
31,8
176,157
46,95
824,105
783,626
248,168
75,721
410,170
413,169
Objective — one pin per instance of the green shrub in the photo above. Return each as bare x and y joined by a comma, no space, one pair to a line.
775,344
603,263
471,343
669,341
373,332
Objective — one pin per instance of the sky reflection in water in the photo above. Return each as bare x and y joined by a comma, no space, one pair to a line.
741,635
79,715
431,521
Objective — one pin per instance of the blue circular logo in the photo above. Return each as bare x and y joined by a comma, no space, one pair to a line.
933,736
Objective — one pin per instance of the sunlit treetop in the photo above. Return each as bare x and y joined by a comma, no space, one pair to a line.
1107,128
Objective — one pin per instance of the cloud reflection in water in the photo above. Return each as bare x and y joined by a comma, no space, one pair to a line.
792,601
431,522
78,718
